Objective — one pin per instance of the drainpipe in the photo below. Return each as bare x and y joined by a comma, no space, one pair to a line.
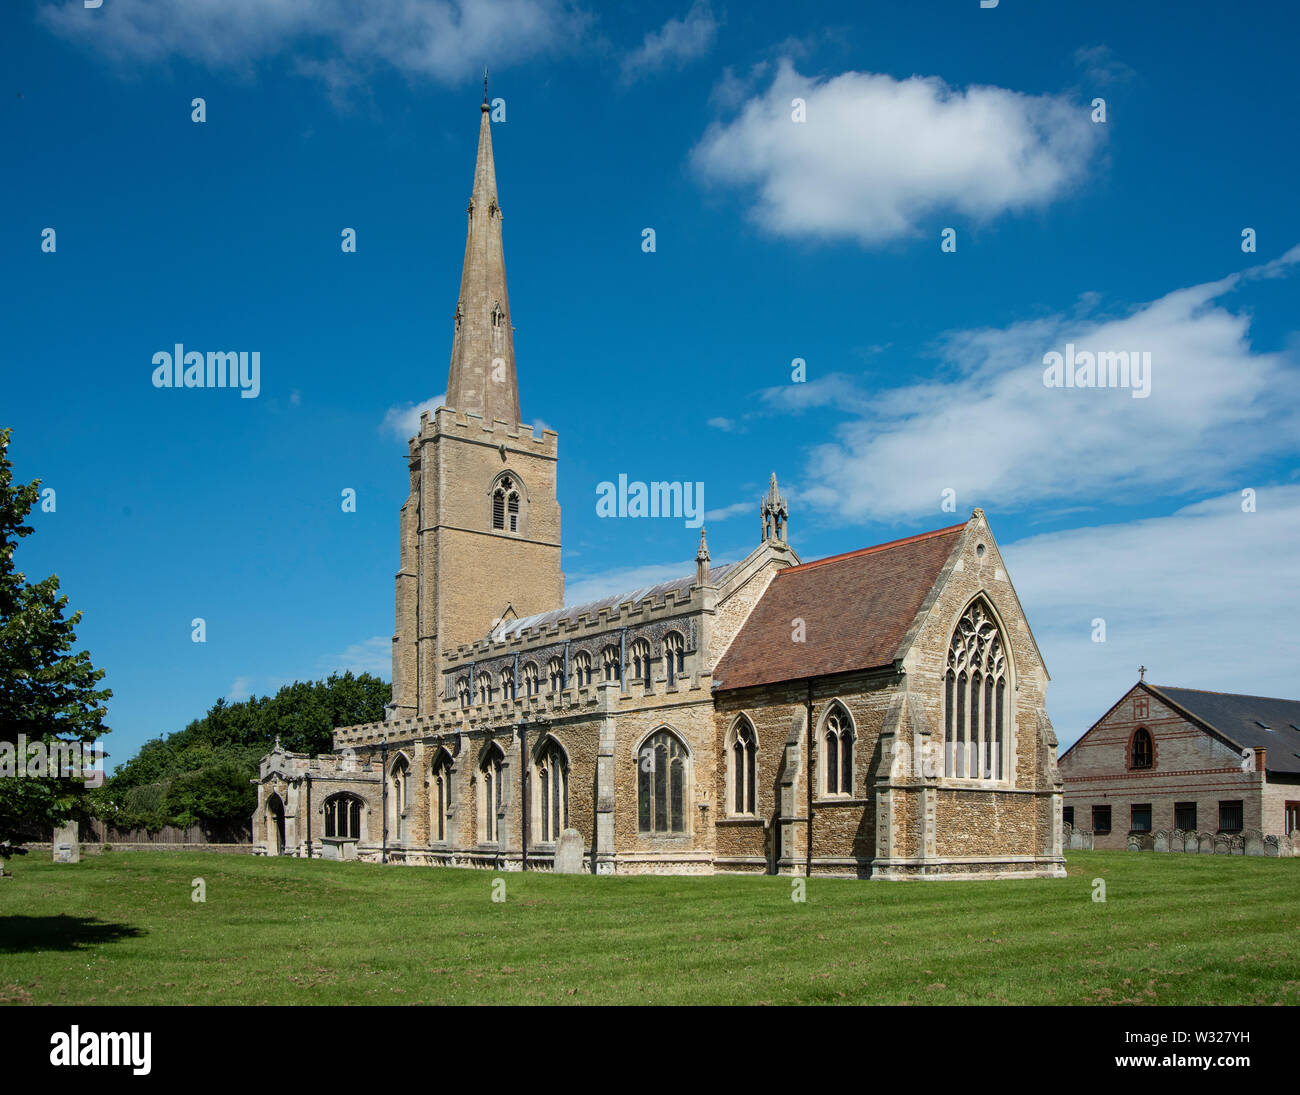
523,790
809,770
622,660
307,780
566,664
383,775
514,688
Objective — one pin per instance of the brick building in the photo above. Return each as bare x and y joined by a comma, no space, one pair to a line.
1213,766
875,714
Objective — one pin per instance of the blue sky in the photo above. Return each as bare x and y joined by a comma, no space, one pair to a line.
775,240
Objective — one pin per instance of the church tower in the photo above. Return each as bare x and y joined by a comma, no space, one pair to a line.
480,530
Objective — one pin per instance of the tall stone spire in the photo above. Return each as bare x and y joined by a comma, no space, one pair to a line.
482,380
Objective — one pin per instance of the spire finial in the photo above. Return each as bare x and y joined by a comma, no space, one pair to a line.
702,560
775,512
485,102
1142,672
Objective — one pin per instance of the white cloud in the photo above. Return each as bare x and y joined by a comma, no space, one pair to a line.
878,157
403,421
592,587
733,510
726,425
1205,598
1101,66
442,40
246,686
373,655
831,390
676,42
990,430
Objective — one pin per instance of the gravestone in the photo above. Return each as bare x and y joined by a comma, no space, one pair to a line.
568,853
1207,843
1162,841
1253,840
1191,842
67,844
1134,844
1222,845
1272,846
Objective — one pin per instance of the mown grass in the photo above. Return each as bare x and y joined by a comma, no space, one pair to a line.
122,928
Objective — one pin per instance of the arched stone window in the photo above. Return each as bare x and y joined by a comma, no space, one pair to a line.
640,657
343,817
552,791
532,684
674,655
440,795
1142,751
837,752
505,505
485,689
582,668
662,784
462,691
741,769
555,673
489,793
508,683
610,665
976,725
399,797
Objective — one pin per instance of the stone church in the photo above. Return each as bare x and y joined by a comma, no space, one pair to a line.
876,714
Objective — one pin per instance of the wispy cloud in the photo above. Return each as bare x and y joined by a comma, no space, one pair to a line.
374,655
988,428
403,421
1101,66
592,587
733,510
674,44
877,156
1149,581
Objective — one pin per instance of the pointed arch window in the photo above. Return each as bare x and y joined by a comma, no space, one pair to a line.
505,505
742,769
661,784
976,721
555,673
1142,753
674,655
489,794
485,689
440,786
582,671
399,790
462,691
837,753
641,662
552,791
507,679
610,665
532,684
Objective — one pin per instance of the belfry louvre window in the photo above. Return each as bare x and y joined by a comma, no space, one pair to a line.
661,784
343,817
553,791
976,720
837,753
505,505
1143,751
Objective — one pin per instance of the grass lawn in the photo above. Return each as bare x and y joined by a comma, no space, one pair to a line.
122,928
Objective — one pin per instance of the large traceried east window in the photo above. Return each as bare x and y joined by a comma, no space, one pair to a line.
552,791
661,784
741,769
977,723
343,817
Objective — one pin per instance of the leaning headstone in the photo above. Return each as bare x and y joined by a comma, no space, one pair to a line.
1254,842
568,853
1162,841
67,844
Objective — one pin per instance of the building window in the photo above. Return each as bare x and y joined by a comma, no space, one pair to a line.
976,720
661,784
462,691
1230,815
1140,817
505,505
489,785
343,817
641,662
1067,816
1185,816
485,689
1101,819
552,791
532,684
1291,817
440,785
582,668
508,683
837,753
1142,751
399,792
741,768
674,655
555,674
610,665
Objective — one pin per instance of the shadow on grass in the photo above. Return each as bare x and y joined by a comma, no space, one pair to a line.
59,933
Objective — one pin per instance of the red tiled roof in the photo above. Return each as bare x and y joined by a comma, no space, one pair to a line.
856,610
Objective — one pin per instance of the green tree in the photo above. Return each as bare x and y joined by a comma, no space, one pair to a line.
48,690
